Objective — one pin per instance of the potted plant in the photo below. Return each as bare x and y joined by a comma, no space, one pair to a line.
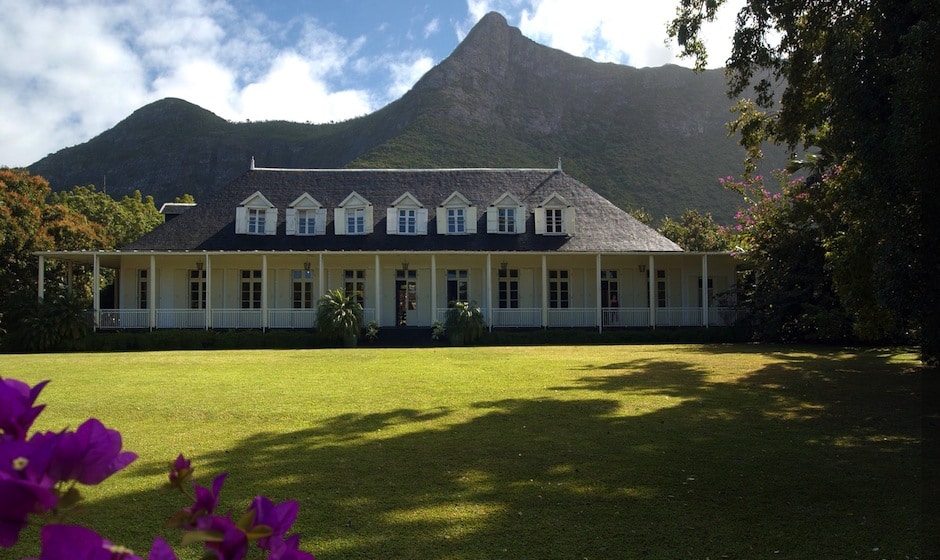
339,317
464,323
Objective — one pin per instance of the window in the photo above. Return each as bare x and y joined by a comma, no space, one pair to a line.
355,220
407,220
553,221
711,291
256,216
306,222
554,216
197,289
505,215
256,220
457,283
507,288
456,220
302,288
610,289
506,220
142,291
355,284
558,297
251,289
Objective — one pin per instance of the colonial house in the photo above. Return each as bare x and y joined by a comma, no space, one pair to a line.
531,247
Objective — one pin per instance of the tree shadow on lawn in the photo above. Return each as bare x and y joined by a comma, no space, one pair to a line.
807,457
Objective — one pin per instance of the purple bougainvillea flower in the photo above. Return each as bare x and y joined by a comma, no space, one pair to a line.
70,542
24,486
161,551
280,549
180,471
90,454
279,517
231,542
206,500
20,499
17,412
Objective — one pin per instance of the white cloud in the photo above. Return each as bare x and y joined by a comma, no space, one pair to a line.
631,32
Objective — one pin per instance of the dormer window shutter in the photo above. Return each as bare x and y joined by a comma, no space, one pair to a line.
319,224
270,221
391,221
520,219
241,220
471,218
492,219
570,224
339,221
539,214
290,221
369,226
441,220
422,225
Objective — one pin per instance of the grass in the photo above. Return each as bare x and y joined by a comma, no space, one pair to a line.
667,451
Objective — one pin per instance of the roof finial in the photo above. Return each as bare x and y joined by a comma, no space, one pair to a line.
252,163
559,163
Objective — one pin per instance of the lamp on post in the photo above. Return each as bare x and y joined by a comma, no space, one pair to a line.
199,265
503,266
404,267
642,268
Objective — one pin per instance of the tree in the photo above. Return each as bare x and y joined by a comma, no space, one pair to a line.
854,82
28,224
123,221
789,288
696,232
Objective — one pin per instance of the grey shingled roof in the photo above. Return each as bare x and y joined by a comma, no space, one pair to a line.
210,226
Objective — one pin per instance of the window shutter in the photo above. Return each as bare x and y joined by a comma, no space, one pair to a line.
442,220
241,220
270,221
422,218
471,219
570,225
369,226
319,223
391,219
539,220
290,221
520,219
492,219
339,221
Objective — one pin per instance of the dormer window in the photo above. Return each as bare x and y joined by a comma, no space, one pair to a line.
506,215
306,216
256,216
407,216
353,216
554,216
456,216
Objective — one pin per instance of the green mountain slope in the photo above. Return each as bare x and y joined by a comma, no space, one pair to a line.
652,138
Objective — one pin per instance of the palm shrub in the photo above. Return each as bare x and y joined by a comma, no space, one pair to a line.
339,317
464,323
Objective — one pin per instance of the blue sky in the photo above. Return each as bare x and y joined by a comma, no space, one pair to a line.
74,68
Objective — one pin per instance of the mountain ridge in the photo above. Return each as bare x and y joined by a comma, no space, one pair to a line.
653,138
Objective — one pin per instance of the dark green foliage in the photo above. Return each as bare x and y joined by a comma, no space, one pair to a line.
339,316
856,83
464,323
56,323
696,232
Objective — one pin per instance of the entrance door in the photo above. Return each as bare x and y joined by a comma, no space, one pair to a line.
406,297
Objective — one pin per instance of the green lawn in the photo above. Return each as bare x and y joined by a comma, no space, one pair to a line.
620,452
